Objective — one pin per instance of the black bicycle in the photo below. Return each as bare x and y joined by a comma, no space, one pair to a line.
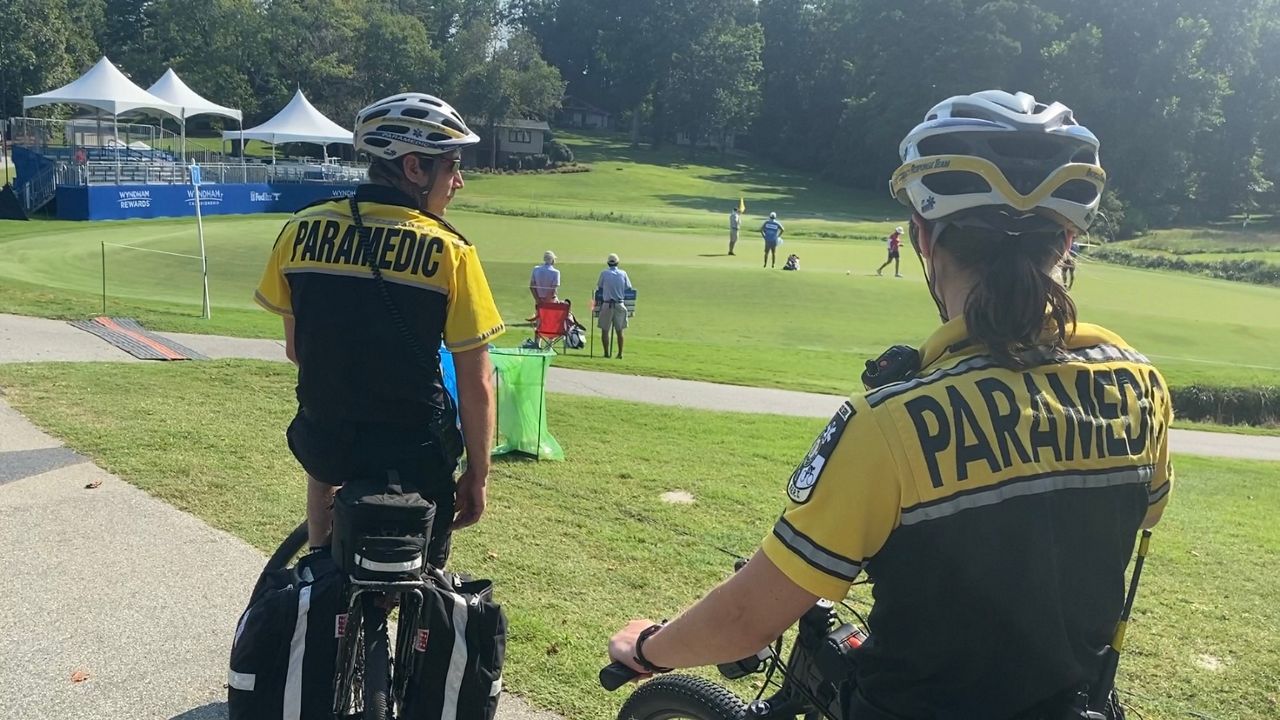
813,685
810,688
370,680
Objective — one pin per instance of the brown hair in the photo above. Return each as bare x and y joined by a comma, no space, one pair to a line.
1015,297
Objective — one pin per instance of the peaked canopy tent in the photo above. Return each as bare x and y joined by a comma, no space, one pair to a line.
299,121
171,89
107,90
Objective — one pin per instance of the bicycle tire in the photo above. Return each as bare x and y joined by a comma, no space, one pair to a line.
682,696
289,549
377,659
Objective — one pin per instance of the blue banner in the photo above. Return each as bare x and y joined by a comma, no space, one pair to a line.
119,202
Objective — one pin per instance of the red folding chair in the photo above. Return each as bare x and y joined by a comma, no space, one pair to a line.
552,326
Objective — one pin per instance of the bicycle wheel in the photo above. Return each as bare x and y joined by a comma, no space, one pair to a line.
682,696
376,659
288,549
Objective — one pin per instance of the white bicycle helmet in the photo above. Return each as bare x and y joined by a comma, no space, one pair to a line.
411,123
993,151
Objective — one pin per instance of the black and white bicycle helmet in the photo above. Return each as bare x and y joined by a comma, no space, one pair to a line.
411,123
994,150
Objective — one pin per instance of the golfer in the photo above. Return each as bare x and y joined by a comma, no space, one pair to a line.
771,231
612,288
893,242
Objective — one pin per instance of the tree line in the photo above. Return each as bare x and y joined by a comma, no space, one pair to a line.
1184,94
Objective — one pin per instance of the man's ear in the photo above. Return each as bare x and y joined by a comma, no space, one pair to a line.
415,169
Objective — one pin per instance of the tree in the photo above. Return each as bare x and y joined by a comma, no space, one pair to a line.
43,48
513,81
715,83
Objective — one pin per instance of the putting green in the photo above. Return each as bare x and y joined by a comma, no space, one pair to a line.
702,314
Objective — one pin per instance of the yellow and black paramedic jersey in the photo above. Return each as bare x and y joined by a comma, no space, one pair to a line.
995,511
353,362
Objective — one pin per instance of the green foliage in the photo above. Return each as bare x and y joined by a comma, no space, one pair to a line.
1250,270
560,153
1228,405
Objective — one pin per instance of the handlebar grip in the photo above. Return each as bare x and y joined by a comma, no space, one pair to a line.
615,675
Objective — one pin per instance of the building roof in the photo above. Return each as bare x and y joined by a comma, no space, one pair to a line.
524,124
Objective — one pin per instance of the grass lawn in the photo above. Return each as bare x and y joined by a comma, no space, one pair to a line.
670,188
702,315
1261,237
572,562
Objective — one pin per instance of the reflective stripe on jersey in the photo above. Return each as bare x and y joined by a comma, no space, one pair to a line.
985,503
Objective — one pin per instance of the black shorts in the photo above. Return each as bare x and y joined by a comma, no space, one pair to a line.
335,451
893,254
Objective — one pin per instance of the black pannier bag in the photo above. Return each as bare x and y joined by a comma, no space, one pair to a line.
380,530
282,657
458,653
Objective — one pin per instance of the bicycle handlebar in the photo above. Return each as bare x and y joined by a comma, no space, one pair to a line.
615,675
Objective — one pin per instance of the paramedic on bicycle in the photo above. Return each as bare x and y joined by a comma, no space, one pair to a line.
367,406
993,494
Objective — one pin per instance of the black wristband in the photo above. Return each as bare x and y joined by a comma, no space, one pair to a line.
640,659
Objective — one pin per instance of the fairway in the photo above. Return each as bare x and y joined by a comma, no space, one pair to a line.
701,315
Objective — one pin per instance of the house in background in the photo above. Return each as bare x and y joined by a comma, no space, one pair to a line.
581,114
512,137
522,137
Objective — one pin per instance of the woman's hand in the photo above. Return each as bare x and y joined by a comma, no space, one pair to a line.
622,647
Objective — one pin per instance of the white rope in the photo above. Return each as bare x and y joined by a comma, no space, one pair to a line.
161,252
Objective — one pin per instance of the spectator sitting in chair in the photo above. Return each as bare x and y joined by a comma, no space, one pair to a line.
612,286
544,282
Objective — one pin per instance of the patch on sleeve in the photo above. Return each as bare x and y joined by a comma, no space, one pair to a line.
806,476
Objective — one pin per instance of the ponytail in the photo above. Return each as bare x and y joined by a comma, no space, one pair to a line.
1016,299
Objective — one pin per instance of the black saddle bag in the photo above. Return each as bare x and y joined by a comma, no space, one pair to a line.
459,653
381,531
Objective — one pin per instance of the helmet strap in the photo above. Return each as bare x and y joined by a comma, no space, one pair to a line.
928,272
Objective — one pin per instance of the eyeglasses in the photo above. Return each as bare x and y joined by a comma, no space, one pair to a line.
451,164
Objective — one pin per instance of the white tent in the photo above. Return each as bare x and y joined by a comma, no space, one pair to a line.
106,88
299,121
170,88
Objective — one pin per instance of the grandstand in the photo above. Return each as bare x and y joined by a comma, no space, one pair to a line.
94,166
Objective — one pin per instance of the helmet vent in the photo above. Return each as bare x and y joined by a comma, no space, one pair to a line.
415,113
452,124
431,101
1085,155
376,114
955,183
438,137
395,129
1077,191
944,145
1023,147
963,112
377,142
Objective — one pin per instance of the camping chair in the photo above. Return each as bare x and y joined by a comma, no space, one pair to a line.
552,325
